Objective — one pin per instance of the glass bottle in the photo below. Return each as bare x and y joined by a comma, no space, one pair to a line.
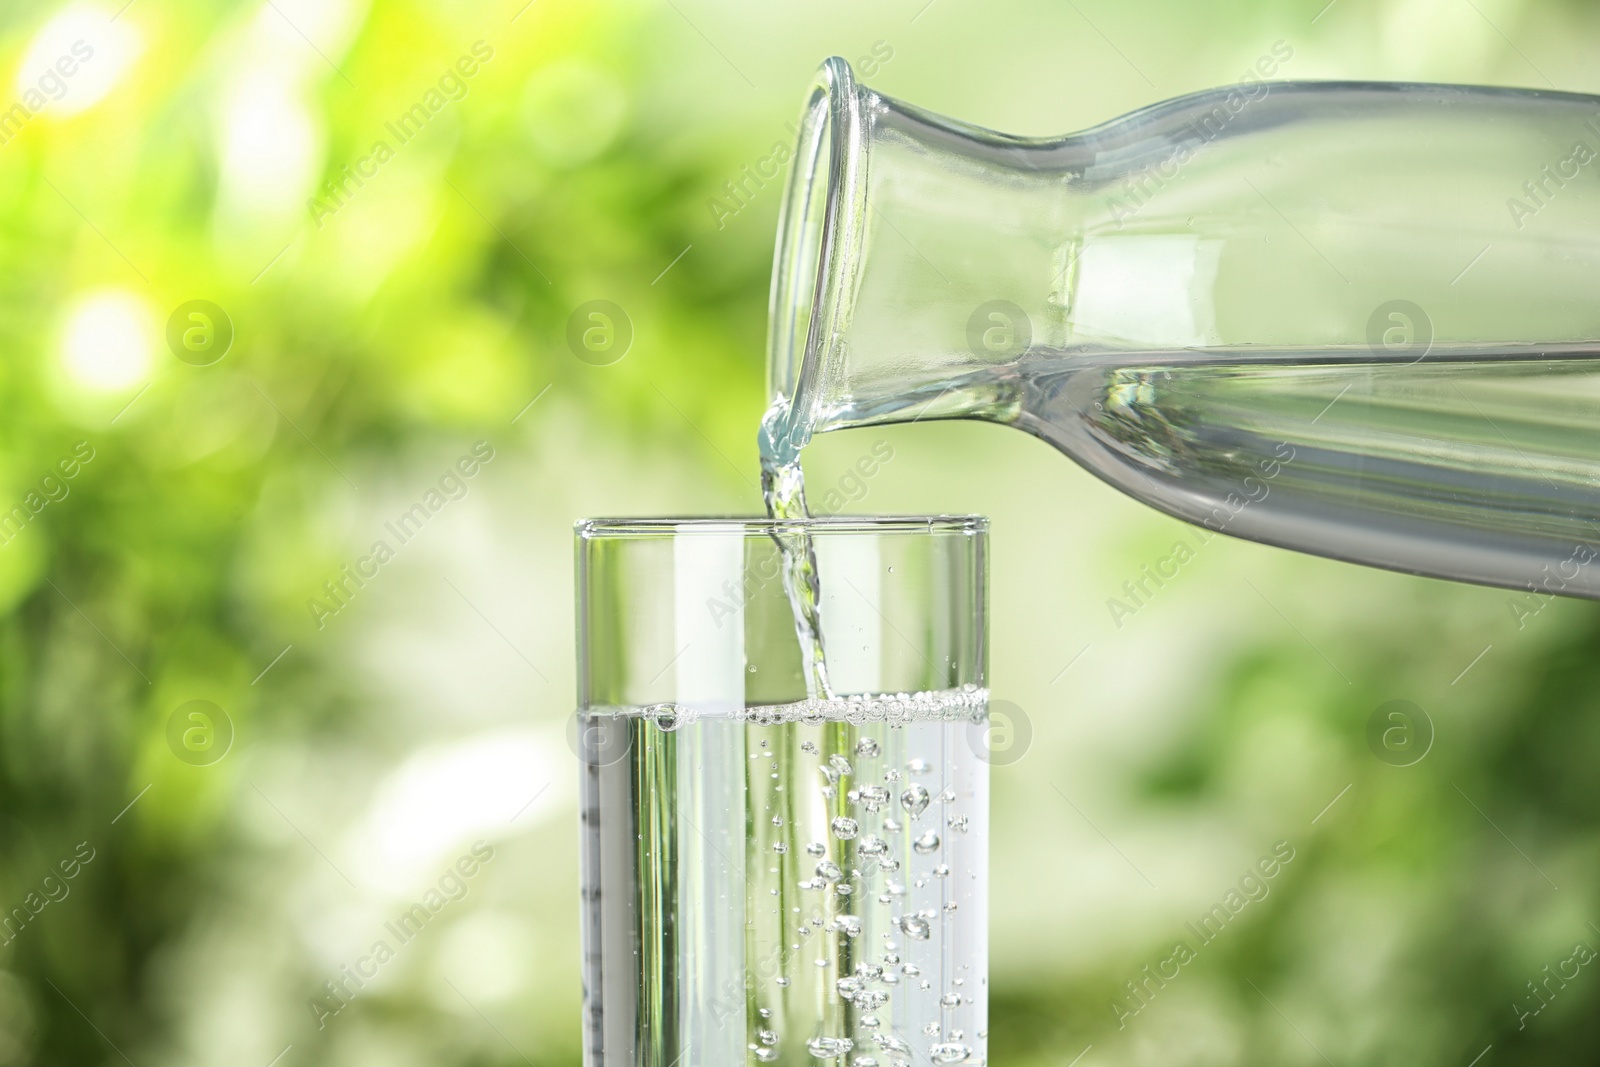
1353,319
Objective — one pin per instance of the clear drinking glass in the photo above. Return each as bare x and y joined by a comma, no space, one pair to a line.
769,878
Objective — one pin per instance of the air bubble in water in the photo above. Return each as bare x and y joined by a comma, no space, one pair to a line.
871,999
890,1043
844,828
827,1048
915,927
917,766
872,846
872,797
829,871
848,987
949,1052
914,800
779,847
840,765
959,823
928,842
867,748
767,1055
849,925
817,848
951,1000
767,1037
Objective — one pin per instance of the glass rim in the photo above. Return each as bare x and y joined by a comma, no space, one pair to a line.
748,525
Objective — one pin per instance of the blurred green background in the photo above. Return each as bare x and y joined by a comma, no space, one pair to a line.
188,886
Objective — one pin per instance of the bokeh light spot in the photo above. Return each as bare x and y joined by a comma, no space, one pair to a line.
84,41
108,341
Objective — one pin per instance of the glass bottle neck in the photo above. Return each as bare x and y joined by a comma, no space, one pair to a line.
911,265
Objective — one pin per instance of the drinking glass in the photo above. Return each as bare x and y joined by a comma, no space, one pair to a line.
772,877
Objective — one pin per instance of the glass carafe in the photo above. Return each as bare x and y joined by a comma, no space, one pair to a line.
1354,319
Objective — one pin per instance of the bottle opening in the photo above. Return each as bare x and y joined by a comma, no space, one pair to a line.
818,214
